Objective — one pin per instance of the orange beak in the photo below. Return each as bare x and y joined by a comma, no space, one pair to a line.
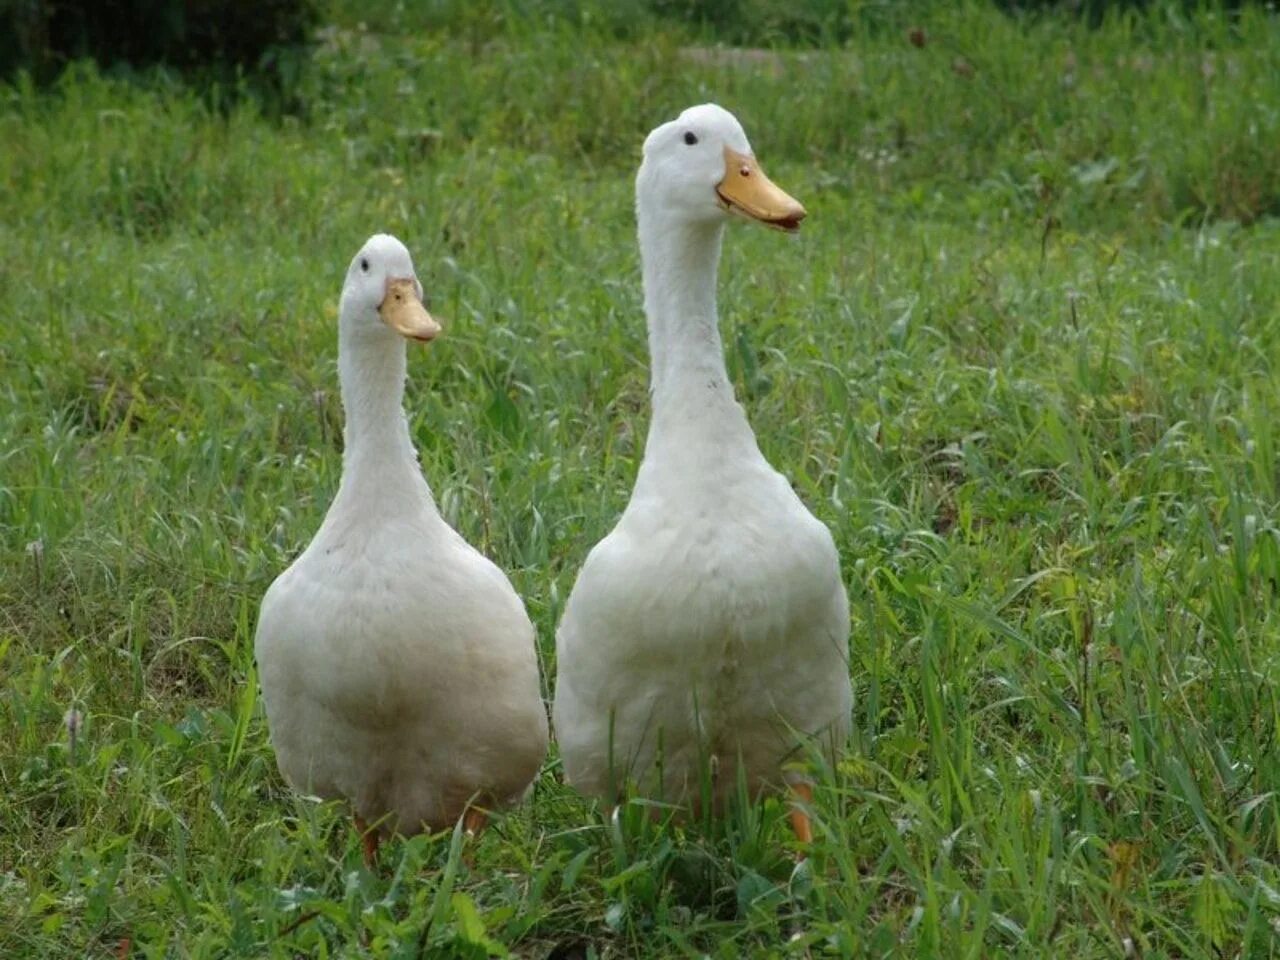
403,312
747,191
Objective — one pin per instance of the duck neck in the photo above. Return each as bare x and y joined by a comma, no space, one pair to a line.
680,261
689,382
378,453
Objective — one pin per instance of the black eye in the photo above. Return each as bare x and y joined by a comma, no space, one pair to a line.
690,137
364,264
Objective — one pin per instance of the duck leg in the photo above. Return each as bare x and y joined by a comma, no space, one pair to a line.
802,796
474,821
368,840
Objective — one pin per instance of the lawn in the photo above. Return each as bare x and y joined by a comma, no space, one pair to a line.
1022,360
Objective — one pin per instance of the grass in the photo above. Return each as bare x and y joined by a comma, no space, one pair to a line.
1021,360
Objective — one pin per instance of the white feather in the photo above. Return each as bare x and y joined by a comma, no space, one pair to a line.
711,625
397,664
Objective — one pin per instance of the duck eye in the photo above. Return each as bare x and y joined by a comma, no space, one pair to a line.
364,264
690,137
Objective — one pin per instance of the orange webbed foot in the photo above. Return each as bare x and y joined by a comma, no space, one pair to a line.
369,841
801,798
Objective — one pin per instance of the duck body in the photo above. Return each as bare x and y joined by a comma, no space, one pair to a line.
397,664
393,690
703,634
706,637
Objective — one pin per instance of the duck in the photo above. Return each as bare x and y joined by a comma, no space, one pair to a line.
397,665
705,640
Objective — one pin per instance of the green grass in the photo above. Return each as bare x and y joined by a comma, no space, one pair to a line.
1021,360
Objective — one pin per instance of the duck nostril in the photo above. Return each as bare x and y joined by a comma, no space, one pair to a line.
745,171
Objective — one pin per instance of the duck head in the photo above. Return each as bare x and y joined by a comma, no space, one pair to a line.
699,168
382,292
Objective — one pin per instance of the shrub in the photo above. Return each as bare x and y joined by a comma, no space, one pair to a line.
217,38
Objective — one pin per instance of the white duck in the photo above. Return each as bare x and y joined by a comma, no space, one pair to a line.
709,630
398,666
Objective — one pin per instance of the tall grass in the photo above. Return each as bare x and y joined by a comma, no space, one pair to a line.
1021,360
